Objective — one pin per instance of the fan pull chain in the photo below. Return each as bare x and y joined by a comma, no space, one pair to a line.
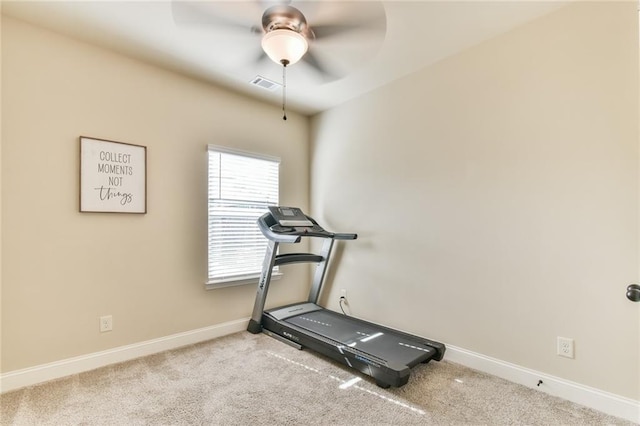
284,88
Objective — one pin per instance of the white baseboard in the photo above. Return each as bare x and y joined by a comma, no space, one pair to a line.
43,373
605,402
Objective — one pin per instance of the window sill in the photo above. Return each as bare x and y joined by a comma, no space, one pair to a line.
230,282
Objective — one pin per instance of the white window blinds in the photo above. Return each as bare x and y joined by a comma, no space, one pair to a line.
241,186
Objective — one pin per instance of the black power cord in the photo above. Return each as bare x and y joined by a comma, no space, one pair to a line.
343,299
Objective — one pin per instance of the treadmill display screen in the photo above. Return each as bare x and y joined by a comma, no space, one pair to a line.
289,216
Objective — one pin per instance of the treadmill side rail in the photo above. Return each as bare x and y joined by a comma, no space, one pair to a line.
293,310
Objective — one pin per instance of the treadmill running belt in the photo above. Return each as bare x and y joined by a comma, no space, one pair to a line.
381,343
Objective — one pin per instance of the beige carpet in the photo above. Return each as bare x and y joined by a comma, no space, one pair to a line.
248,379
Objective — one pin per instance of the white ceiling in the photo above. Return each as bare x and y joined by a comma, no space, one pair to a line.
418,34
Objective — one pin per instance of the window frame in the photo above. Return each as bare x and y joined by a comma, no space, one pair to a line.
249,278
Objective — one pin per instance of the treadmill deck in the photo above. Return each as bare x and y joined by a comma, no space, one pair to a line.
382,343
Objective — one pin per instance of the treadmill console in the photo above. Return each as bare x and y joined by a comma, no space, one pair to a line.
289,216
288,224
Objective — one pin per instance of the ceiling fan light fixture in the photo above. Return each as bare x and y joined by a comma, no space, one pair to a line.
284,45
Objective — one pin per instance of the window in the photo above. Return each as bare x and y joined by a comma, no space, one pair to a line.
241,186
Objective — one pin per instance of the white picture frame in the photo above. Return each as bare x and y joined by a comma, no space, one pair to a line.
113,177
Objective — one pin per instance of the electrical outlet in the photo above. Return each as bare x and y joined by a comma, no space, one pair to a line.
106,323
343,293
565,347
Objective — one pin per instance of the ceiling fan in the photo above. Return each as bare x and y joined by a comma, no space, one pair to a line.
330,38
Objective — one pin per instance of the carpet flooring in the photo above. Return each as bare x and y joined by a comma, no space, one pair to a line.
247,379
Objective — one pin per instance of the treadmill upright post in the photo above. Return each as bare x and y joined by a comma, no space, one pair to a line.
321,269
255,324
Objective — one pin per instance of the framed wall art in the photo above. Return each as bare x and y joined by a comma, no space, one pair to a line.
113,176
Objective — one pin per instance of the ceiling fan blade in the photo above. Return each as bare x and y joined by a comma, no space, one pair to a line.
328,31
324,31
265,4
329,19
347,35
260,56
211,15
326,74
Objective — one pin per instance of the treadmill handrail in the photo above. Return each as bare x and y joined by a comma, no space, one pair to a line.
343,236
284,259
290,234
266,221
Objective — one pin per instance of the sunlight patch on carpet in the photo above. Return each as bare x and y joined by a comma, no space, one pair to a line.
345,384
350,383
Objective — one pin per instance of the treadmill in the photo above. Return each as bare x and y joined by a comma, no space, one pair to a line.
383,353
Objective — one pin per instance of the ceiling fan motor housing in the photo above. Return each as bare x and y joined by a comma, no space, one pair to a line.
285,17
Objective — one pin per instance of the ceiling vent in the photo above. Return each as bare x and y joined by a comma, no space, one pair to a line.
265,83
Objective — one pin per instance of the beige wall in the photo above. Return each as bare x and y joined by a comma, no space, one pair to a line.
63,269
0,197
495,195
